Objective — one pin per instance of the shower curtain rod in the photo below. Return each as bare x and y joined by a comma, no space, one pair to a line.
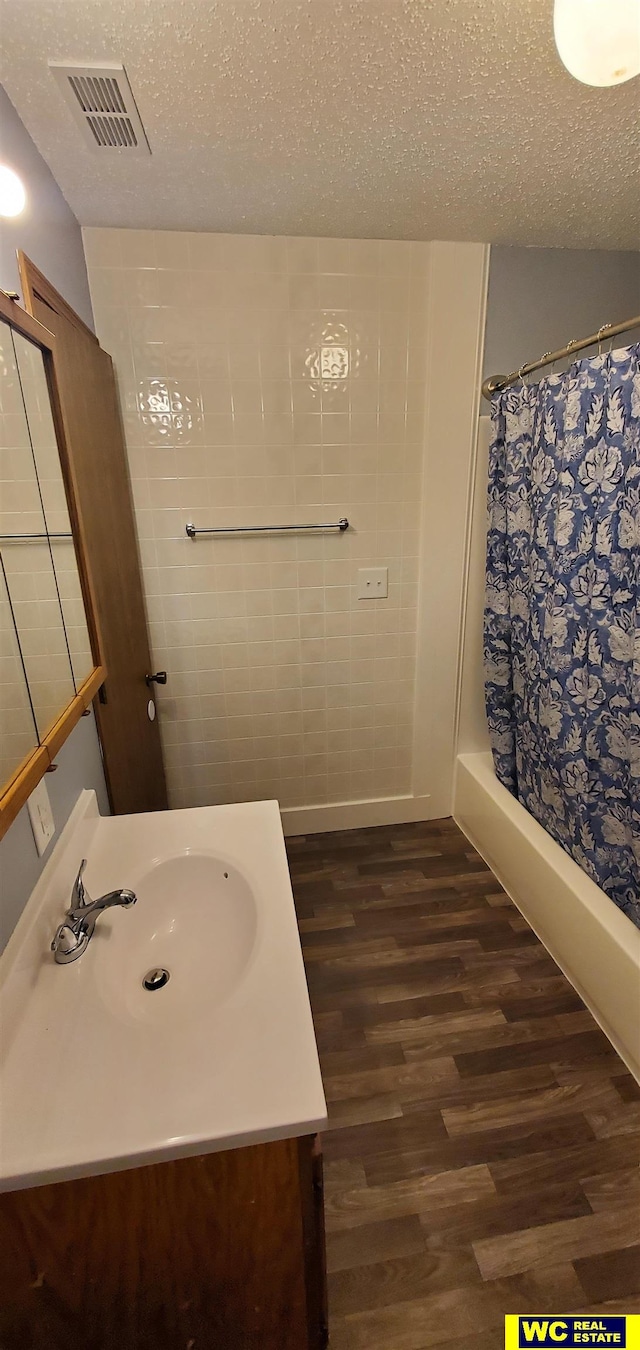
496,383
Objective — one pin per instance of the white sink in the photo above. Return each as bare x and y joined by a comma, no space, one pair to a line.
196,918
99,1073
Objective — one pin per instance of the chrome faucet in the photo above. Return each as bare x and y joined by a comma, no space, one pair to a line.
75,933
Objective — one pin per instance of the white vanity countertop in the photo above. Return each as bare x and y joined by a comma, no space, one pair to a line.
97,1074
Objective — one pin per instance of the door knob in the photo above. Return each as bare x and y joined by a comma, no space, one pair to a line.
160,677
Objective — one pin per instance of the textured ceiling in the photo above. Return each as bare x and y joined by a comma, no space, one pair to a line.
413,119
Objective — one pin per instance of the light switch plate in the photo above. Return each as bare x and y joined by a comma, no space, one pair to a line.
39,808
373,583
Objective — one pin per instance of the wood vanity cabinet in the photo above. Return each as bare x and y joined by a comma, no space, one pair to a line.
219,1252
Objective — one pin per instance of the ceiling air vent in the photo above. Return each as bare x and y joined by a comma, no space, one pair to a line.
103,105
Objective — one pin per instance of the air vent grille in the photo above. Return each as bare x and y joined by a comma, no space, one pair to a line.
102,103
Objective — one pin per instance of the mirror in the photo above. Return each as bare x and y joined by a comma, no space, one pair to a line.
44,446
18,734
24,542
49,662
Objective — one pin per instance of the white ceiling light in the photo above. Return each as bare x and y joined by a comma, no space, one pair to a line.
12,193
599,40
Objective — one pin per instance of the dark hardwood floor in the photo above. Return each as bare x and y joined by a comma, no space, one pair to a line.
483,1140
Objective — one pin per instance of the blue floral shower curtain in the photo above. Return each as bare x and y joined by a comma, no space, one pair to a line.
562,618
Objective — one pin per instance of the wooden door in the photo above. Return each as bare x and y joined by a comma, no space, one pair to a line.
131,748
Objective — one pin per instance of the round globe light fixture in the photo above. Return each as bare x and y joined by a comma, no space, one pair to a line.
599,40
12,193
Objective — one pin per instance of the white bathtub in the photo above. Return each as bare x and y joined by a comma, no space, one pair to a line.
593,942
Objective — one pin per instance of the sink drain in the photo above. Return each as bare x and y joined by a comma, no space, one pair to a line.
156,978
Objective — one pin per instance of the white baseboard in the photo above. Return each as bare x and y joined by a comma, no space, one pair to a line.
355,815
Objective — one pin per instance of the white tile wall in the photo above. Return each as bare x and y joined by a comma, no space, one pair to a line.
273,380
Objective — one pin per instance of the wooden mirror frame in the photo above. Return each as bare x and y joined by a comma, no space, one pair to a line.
14,793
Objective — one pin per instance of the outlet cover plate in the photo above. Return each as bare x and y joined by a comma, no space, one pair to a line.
41,815
373,583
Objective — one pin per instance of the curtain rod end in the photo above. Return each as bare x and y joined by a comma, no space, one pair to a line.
492,385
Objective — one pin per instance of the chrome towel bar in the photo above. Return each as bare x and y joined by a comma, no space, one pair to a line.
194,531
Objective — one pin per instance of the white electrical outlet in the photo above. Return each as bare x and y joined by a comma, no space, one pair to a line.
373,583
39,808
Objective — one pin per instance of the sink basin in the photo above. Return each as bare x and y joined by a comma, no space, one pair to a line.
99,1073
196,919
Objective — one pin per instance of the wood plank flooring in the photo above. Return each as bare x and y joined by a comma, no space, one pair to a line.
483,1141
